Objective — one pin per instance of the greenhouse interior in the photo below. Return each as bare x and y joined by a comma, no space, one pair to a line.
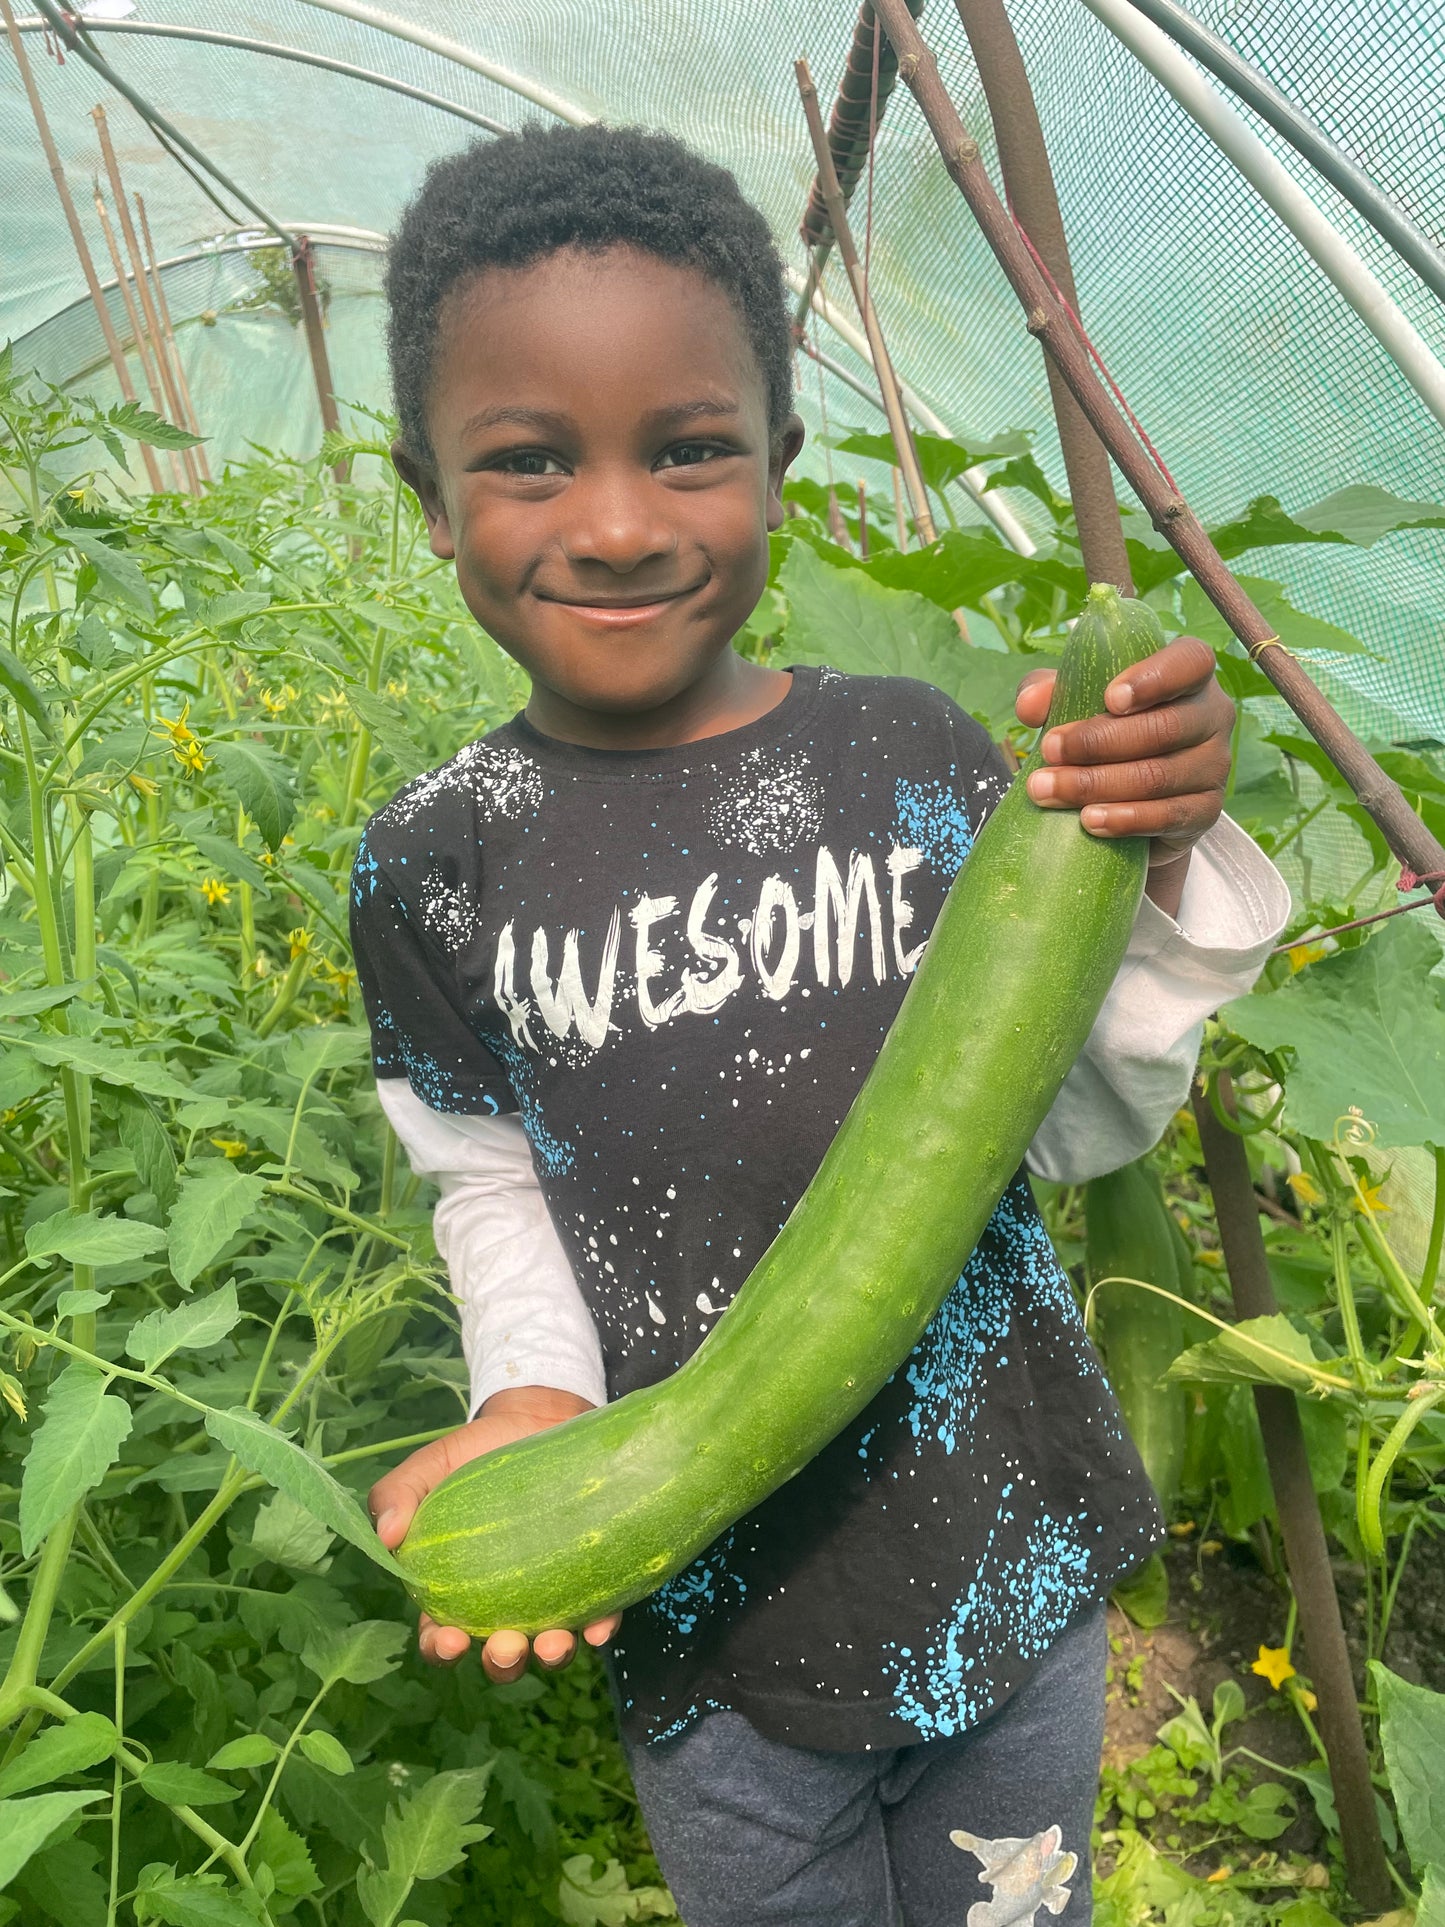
1078,293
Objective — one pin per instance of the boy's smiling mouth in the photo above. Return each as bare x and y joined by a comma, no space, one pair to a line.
619,612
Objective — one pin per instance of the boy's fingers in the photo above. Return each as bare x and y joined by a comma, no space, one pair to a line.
602,1630
441,1645
555,1649
1180,818
1181,666
504,1657
1033,696
1186,773
1206,717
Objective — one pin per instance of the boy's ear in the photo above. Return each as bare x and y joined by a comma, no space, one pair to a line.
422,482
781,456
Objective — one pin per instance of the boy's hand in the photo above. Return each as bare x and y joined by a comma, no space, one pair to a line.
1154,765
395,1498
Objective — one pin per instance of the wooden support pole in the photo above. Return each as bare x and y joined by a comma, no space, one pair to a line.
163,308
1413,844
1029,183
303,264
882,366
1226,1165
171,406
137,329
77,234
862,518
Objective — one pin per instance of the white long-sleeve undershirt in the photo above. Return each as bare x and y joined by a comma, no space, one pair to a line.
524,1320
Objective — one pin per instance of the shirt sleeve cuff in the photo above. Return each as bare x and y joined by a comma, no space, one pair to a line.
1234,907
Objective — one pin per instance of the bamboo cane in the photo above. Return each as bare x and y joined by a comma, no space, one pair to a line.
882,366
163,308
1226,1165
171,407
900,520
303,265
1407,836
137,331
77,235
1029,183
862,518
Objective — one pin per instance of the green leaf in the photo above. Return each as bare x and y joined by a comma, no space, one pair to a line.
1265,525
1364,513
386,721
263,1450
82,1238
261,781
112,1063
235,605
284,1852
142,1133
175,1784
325,1047
286,1534
59,1751
252,1749
78,1441
424,1838
190,1327
1412,1731
75,1304
214,1202
227,860
941,458
26,1825
843,618
361,1654
959,570
327,1752
143,425
1431,1911
1367,1028
29,1003
588,1899
1295,629
192,1900
63,1883
117,571
1257,1351
1144,1594
16,680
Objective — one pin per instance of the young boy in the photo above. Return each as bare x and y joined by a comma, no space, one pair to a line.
627,961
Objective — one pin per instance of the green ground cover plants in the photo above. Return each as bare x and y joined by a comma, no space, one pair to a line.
221,1313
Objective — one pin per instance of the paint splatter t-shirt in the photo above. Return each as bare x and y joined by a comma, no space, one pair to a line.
678,966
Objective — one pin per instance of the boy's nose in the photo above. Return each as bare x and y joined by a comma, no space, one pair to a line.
619,522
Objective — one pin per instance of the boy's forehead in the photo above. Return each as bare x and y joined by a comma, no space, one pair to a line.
578,316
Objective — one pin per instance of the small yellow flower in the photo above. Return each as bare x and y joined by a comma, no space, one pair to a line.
335,977
300,942
1182,1529
396,689
233,1147
1305,1188
1274,1665
142,785
13,1394
1219,1874
1370,1193
184,745
262,965
1211,1546
277,701
1214,1259
1306,1698
1301,954
214,891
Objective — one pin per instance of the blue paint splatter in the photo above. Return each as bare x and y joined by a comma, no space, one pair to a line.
698,1589
365,872
556,1156
933,820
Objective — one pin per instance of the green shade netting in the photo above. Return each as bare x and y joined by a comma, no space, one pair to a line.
1248,369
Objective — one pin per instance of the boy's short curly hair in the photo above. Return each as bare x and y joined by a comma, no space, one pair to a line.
508,202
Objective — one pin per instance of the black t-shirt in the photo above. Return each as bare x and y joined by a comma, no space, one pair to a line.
678,965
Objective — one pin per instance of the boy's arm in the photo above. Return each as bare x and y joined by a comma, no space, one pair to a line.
1134,1072
524,1322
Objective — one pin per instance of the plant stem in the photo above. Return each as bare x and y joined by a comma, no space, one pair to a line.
120,1637
1437,1229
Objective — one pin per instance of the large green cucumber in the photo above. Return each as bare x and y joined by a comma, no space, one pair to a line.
579,1521
1130,1234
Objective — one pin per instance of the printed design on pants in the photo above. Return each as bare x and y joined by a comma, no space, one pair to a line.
1024,1875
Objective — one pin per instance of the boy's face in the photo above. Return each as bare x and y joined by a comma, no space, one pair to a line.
603,479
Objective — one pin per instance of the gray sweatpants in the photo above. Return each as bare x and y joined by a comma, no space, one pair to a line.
987,1828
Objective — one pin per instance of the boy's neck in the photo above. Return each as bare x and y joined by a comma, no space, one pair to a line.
732,694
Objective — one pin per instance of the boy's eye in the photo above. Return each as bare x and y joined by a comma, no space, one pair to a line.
527,461
689,454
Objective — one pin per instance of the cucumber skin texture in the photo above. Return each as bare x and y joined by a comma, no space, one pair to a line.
1129,1234
588,1517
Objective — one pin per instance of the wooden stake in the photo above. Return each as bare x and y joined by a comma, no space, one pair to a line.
862,518
900,520
171,406
163,307
882,366
1413,844
1029,182
1226,1165
77,235
137,332
303,265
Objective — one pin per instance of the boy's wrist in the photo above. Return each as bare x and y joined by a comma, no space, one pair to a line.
541,1402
